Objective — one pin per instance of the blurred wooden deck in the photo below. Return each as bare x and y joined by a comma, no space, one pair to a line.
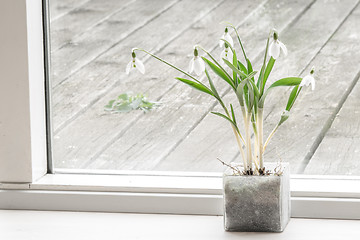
90,47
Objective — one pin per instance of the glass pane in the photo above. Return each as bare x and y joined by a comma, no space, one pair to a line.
91,42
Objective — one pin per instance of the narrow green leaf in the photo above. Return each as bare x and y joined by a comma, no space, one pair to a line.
212,86
268,69
196,85
242,67
289,81
235,63
249,66
233,113
242,88
292,97
219,72
260,77
235,69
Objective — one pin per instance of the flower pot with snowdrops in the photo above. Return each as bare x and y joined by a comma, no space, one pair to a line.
256,193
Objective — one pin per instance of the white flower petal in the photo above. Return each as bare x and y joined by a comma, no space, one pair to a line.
128,67
191,65
222,55
307,80
228,38
312,84
229,56
199,66
221,42
274,49
140,66
283,48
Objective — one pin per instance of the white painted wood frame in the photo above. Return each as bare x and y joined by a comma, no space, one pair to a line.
22,105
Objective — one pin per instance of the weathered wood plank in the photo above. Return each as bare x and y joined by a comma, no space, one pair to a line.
339,151
102,37
117,33
143,148
81,19
215,135
93,123
338,67
59,8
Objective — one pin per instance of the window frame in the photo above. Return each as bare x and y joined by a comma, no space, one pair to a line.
28,182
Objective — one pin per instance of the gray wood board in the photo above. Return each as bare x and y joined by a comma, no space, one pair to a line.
65,29
338,68
339,151
184,107
117,35
213,137
93,43
59,8
94,125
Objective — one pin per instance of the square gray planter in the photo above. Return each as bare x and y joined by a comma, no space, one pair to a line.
257,203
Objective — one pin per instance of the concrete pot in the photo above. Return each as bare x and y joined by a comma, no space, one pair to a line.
257,203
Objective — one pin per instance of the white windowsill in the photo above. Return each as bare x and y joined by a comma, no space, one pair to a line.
311,197
43,225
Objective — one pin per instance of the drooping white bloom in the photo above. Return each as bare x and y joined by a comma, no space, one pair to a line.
196,65
227,37
276,47
135,64
309,79
226,54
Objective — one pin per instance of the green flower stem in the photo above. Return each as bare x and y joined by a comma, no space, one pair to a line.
248,142
270,136
238,37
259,122
264,66
228,115
240,146
167,63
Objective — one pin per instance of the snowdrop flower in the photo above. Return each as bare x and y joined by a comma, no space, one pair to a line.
135,64
227,37
309,79
227,54
196,65
276,47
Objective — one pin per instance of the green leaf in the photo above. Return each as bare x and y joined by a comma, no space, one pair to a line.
235,69
243,88
260,77
212,86
267,72
235,63
242,67
123,96
268,69
289,81
219,72
196,85
233,113
293,95
109,106
249,66
225,117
